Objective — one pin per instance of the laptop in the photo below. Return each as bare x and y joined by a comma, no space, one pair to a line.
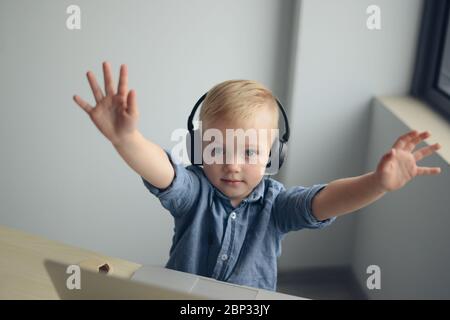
150,282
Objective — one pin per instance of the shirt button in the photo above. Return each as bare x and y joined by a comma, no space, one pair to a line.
224,257
233,215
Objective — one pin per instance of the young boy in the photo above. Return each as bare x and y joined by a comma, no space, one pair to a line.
229,217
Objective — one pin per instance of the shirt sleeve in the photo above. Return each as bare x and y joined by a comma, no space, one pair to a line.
293,209
181,194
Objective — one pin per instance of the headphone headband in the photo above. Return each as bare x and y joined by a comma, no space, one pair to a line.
285,137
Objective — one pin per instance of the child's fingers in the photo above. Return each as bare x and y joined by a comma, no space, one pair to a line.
416,140
98,94
426,151
390,154
83,104
131,102
428,171
404,139
107,74
386,158
123,81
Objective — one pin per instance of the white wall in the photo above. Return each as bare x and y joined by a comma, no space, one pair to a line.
63,180
340,66
405,233
59,177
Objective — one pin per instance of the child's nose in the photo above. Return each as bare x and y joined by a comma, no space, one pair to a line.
232,166
231,169
234,159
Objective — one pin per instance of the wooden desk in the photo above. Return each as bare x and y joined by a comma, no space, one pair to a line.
22,271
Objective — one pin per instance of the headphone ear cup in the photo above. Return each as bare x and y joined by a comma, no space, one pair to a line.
281,148
194,138
273,163
272,149
283,153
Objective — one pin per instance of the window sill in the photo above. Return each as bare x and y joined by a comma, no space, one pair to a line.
415,114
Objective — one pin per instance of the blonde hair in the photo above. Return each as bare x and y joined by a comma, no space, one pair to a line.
233,100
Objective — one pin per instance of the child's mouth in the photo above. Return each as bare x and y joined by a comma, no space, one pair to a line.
232,182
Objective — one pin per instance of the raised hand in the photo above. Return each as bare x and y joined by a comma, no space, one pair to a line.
398,166
116,113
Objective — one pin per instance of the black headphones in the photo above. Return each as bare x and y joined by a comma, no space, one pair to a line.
195,149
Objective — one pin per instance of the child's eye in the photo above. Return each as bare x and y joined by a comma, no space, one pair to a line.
217,150
250,152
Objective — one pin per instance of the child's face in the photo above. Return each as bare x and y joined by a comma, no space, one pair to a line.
247,165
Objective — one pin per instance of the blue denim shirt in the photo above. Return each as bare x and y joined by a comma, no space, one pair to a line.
238,245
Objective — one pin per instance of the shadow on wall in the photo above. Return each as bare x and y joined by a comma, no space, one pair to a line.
325,283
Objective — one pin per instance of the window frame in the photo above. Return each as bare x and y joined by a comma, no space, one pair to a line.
430,50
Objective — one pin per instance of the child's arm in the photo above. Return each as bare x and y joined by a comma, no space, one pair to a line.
116,115
395,169
148,159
